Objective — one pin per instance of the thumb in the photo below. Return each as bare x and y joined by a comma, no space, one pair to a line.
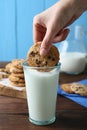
46,43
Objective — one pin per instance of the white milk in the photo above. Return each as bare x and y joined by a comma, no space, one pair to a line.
73,62
41,93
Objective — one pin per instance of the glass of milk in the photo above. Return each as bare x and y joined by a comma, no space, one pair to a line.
41,89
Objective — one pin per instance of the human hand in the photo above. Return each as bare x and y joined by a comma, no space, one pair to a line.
51,25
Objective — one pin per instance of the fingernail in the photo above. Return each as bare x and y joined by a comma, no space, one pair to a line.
43,51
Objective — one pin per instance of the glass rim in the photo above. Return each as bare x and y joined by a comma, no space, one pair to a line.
25,65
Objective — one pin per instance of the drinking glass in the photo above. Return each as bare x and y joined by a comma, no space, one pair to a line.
41,90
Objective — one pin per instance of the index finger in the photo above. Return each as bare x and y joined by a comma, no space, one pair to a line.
38,32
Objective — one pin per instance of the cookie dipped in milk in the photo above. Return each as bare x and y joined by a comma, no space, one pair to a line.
41,78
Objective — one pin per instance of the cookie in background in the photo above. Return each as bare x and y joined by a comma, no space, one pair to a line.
75,88
16,76
14,72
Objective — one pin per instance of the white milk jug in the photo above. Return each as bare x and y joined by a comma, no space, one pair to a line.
73,53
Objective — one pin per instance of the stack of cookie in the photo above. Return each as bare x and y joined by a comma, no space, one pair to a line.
17,75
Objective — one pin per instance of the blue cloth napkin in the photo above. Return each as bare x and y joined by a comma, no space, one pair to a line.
82,100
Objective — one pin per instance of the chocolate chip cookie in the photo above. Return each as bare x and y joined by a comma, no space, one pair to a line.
17,84
67,88
17,63
20,75
16,70
7,67
75,88
35,59
79,89
13,78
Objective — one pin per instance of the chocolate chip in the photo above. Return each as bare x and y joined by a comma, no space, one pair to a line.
32,53
53,59
38,62
49,57
46,63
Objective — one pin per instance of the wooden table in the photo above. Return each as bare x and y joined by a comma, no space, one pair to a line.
70,115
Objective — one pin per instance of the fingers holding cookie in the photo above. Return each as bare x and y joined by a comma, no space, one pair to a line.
35,59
